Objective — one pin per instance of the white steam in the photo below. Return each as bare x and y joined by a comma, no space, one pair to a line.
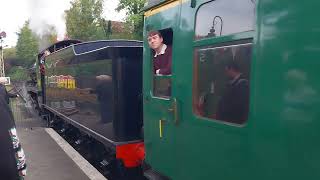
48,12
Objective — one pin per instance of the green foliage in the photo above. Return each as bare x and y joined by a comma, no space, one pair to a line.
9,53
115,30
134,15
131,6
83,69
83,20
10,58
18,73
136,22
27,46
124,35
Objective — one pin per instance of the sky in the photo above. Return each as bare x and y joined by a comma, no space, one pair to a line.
14,13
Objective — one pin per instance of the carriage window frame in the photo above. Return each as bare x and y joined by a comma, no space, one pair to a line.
218,41
223,35
195,80
167,35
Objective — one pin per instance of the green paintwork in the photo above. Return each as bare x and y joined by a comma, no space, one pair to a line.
280,138
157,108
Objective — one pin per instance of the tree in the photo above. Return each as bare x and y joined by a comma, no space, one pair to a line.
27,46
83,19
109,29
10,58
9,53
134,15
12,68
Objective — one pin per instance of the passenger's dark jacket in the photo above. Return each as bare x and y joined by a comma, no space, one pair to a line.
234,104
10,149
5,94
163,62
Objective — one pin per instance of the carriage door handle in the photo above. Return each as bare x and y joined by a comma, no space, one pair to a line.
174,110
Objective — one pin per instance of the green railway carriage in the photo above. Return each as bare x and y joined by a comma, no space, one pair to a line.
276,46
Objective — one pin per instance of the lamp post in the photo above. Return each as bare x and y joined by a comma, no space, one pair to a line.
2,35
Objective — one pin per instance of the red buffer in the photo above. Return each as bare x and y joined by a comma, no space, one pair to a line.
132,155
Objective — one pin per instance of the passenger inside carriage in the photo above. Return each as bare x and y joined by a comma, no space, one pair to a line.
234,103
221,82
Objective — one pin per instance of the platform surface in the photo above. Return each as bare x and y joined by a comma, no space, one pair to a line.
48,156
45,159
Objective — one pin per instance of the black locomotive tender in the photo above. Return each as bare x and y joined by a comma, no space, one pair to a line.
90,93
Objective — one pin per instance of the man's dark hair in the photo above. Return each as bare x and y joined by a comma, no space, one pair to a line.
232,65
152,33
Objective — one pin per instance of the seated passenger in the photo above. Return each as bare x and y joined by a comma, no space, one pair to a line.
162,54
234,104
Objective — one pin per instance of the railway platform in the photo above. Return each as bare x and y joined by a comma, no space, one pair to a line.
48,155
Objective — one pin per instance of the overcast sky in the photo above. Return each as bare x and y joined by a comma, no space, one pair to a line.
14,13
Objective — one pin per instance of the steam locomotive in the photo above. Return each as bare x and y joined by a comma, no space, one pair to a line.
91,94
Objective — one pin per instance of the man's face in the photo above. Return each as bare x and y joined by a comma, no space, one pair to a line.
155,41
229,72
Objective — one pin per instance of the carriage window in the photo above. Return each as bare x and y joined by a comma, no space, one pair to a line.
161,61
224,17
221,82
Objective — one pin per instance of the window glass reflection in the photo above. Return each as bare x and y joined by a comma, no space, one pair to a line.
162,86
81,91
224,17
221,82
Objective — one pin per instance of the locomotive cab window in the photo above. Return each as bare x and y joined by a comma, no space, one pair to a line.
160,43
222,68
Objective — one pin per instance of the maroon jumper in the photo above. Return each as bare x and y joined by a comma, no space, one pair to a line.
163,62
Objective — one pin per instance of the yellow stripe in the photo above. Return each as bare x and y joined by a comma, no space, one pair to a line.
160,128
162,7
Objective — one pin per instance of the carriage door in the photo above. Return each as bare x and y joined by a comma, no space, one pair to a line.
216,123
160,115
